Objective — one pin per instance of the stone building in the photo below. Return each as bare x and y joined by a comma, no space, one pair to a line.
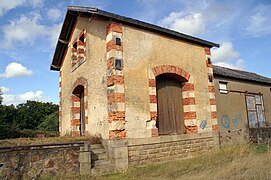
122,78
150,87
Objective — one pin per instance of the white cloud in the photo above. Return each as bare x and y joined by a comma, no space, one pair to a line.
5,89
224,53
36,3
188,23
100,4
26,30
228,57
15,70
54,14
9,99
259,22
6,5
53,33
239,64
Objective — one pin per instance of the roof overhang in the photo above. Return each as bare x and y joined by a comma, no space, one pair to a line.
74,11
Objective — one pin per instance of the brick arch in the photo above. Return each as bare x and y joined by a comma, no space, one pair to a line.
75,105
169,69
189,103
79,81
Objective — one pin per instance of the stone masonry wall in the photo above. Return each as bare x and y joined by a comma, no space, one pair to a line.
238,136
159,149
260,135
28,162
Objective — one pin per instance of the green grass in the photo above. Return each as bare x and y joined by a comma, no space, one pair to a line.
232,162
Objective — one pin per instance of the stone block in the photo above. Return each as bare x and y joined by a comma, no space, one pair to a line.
120,153
153,151
49,163
117,125
121,163
151,124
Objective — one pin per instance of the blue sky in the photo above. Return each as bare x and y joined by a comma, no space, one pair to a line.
30,28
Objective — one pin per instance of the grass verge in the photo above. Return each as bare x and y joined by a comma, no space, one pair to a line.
232,162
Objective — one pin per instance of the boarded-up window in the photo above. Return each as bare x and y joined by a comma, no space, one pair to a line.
223,87
255,110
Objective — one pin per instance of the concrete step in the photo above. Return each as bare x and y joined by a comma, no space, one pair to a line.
100,163
96,157
98,151
96,146
101,170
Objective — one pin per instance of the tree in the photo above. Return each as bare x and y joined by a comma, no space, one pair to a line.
1,97
8,128
32,113
25,118
50,123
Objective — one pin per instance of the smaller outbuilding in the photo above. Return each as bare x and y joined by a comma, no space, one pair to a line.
243,103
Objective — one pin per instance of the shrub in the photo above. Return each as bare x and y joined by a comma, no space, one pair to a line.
50,123
8,131
27,133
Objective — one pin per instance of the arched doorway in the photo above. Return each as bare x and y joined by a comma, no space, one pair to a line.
79,93
169,105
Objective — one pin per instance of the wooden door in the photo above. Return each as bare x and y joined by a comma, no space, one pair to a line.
169,105
82,114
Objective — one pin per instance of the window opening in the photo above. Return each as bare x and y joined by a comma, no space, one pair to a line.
74,45
118,64
117,41
209,61
81,38
223,87
255,110
210,77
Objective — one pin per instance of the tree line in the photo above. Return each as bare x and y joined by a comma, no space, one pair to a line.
27,119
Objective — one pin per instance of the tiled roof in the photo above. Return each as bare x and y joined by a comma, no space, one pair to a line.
238,74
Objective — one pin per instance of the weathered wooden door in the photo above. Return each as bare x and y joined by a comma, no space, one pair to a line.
169,105
82,114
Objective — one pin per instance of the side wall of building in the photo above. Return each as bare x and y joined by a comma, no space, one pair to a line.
232,110
91,73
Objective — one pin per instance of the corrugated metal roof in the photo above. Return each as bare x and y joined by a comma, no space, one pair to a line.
238,74
74,11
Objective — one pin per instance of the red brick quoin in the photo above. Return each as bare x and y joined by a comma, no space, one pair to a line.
115,97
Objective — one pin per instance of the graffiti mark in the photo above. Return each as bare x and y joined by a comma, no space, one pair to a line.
237,121
225,121
203,124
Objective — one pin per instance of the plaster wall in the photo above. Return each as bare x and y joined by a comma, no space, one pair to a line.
94,70
144,50
233,104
